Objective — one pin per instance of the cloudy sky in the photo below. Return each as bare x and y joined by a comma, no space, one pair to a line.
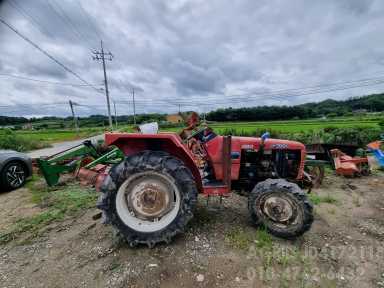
199,55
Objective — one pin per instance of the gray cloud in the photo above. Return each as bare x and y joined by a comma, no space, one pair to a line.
197,52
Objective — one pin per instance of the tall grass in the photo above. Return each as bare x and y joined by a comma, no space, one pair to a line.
10,140
58,204
359,136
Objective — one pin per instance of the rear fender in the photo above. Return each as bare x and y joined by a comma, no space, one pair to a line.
133,143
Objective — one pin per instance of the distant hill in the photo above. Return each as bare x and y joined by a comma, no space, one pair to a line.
371,103
67,122
329,107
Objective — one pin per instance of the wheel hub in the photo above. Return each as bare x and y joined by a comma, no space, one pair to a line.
278,209
149,200
15,175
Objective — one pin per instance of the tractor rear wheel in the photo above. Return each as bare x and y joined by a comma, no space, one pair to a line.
149,197
281,207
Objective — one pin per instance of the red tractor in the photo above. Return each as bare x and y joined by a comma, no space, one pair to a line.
151,195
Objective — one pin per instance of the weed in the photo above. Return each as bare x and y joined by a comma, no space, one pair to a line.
356,200
239,238
284,260
288,256
317,199
115,265
60,203
332,211
263,239
267,260
10,140
202,217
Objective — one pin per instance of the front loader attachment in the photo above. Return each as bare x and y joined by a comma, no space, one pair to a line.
77,158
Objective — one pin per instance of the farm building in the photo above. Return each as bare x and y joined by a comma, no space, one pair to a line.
174,118
27,126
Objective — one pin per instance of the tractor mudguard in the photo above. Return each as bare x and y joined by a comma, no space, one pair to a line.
133,143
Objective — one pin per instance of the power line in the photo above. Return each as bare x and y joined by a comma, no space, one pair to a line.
89,20
285,94
318,88
277,95
32,19
47,54
46,81
309,92
26,106
60,12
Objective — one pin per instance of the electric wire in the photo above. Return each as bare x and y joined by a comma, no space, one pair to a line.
27,15
47,54
89,20
66,20
47,81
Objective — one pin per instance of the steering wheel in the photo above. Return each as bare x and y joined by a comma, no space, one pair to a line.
193,135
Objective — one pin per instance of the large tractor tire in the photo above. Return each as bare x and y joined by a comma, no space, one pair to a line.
281,207
149,197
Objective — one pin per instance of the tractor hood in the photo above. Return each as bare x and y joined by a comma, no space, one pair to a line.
254,143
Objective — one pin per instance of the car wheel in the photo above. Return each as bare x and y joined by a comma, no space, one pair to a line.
13,176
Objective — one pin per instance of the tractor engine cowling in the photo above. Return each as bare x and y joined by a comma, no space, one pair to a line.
256,166
254,160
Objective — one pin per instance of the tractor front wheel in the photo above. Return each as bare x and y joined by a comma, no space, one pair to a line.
149,197
281,207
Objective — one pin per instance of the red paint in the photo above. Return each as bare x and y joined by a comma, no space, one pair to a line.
132,143
93,176
214,148
345,164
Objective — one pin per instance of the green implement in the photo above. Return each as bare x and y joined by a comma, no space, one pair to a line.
69,160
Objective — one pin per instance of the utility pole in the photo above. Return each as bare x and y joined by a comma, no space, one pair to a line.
71,104
101,55
179,108
134,106
114,106
204,113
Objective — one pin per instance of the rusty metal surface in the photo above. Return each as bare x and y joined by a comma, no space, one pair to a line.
227,163
92,177
278,209
150,197
347,165
148,201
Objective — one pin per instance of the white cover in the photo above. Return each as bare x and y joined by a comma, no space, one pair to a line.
149,128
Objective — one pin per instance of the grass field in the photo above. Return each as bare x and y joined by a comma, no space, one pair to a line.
45,137
292,126
52,136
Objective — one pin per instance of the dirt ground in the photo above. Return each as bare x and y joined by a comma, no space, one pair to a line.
221,248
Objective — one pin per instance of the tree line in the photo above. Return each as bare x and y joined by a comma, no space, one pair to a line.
328,108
